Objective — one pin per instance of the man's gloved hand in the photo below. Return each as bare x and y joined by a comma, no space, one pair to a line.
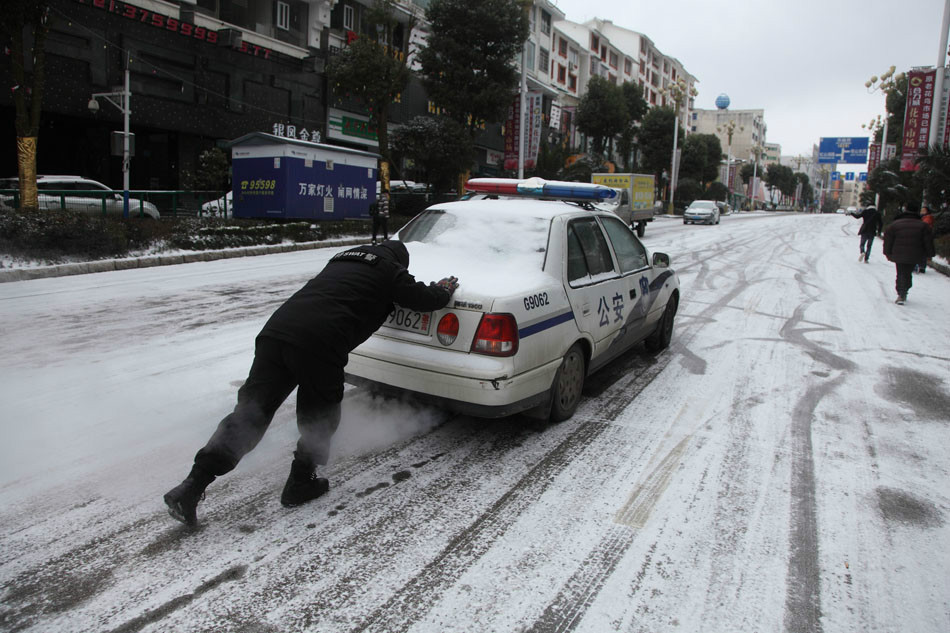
449,284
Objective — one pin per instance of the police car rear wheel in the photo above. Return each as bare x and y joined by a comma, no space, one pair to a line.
568,384
661,337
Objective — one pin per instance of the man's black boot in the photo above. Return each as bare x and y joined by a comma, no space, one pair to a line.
182,500
302,485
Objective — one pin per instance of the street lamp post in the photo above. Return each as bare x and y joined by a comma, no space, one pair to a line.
677,91
123,103
823,171
886,83
729,129
754,188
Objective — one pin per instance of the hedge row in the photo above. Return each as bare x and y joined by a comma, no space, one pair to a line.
61,236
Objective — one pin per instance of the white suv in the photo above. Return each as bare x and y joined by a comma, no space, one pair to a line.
52,195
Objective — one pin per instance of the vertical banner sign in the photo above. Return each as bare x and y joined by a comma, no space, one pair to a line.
920,97
946,115
511,134
874,156
534,102
555,122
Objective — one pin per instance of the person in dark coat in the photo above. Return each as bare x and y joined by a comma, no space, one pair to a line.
871,226
379,211
305,344
927,217
907,241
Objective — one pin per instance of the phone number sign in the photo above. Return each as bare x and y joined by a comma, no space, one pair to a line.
167,23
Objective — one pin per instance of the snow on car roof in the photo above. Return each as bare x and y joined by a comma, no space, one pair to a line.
494,247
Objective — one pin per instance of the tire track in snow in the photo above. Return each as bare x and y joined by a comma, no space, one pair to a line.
803,583
583,587
409,603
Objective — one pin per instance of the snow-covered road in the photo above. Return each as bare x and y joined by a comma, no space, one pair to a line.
783,467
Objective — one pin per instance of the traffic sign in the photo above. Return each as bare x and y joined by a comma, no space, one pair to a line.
836,175
843,149
849,175
863,177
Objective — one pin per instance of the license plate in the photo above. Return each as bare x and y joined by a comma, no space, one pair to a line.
409,320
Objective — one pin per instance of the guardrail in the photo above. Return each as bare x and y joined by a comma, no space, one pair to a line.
170,203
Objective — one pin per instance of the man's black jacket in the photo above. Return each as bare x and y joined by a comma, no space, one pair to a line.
348,301
872,223
908,240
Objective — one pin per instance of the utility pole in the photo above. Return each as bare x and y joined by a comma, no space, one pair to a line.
940,111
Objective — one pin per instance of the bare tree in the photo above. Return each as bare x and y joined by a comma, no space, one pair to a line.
26,23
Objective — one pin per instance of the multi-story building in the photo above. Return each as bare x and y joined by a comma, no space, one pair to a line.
601,48
748,129
203,72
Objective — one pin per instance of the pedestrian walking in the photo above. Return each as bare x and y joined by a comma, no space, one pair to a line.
907,241
305,344
379,211
871,226
927,217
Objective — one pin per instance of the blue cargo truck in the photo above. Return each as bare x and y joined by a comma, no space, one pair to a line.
278,177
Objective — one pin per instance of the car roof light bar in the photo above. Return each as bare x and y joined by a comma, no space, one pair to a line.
540,188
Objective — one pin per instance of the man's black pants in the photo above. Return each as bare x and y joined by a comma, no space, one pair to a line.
905,278
278,367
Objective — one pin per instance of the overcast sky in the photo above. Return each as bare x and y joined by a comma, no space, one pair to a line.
804,63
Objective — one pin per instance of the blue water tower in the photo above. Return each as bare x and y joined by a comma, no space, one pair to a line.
722,101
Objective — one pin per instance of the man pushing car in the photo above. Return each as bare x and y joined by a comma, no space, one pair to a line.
305,344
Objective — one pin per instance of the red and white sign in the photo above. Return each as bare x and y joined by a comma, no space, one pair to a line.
917,114
532,123
173,25
874,155
512,137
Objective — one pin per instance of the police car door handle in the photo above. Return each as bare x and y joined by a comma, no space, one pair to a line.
585,309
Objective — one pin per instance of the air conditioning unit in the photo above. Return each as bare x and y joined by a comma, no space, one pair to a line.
230,38
571,67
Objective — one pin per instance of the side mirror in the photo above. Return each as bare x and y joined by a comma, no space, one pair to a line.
661,260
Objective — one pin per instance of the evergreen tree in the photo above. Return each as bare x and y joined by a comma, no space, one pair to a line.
602,112
374,72
468,63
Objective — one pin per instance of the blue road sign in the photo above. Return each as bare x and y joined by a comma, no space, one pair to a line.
843,149
849,175
836,175
863,177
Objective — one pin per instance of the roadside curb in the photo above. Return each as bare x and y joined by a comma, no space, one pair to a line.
939,267
106,265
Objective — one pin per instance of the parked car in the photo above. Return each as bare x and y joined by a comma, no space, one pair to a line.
223,206
724,208
88,196
703,211
550,291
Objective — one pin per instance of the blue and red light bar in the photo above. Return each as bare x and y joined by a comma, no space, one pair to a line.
540,188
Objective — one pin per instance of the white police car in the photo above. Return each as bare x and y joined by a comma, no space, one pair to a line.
549,291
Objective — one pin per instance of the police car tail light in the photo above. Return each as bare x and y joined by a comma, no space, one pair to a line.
497,335
448,329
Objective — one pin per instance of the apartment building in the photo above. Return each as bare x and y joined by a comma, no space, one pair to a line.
206,71
601,48
748,130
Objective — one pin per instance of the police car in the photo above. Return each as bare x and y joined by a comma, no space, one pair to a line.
550,290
